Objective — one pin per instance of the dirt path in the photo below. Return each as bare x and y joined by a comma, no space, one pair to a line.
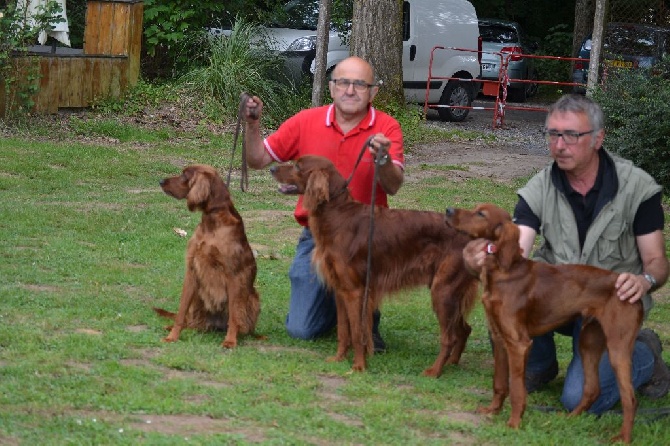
497,161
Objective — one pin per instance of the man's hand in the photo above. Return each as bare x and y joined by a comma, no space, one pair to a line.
379,144
631,287
474,255
252,109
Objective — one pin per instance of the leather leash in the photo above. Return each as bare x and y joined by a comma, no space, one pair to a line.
375,176
244,179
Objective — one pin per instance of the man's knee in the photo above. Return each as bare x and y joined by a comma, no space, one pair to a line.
571,398
302,331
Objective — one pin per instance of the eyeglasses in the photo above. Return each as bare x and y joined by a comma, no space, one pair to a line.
570,137
359,85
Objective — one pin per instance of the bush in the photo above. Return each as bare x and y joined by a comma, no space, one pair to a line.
242,62
636,104
558,42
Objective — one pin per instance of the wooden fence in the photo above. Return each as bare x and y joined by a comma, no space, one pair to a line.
108,64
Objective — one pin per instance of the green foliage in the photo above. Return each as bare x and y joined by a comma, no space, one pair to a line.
557,42
20,80
636,104
243,62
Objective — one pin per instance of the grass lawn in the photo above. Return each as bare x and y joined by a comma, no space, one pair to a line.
88,247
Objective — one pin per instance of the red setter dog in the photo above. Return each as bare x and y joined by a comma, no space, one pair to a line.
524,298
409,248
218,291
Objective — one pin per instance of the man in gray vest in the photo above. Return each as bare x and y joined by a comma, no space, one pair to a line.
590,207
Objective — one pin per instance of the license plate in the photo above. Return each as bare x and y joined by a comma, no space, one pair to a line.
620,63
488,66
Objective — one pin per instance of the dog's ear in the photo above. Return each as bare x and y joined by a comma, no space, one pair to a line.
199,190
507,243
317,190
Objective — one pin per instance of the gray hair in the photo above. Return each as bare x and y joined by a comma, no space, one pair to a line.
577,103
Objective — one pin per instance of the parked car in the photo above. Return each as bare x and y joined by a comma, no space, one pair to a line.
625,45
426,24
502,37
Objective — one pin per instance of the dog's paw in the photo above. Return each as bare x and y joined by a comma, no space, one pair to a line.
229,343
486,410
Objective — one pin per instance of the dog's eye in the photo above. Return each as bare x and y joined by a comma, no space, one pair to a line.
481,214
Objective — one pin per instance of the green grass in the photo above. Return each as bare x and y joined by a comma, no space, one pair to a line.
88,248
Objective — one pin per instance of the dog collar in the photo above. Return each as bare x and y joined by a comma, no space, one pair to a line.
490,248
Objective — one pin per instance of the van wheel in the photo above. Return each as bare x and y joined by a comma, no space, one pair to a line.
455,93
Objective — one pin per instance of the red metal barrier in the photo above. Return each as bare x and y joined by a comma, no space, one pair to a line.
498,88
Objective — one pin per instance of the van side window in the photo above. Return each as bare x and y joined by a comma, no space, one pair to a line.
405,21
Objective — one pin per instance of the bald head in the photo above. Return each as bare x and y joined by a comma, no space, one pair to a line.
355,68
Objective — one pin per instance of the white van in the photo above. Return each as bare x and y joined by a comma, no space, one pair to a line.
426,24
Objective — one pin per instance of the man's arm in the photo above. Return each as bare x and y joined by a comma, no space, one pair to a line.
632,287
257,156
391,176
526,239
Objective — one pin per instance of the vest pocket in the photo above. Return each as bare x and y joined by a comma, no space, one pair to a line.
613,244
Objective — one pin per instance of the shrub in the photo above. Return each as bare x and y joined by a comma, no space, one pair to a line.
243,62
636,104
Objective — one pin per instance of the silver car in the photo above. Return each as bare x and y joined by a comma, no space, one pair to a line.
501,36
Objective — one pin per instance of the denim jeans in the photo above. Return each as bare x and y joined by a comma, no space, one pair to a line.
543,353
312,310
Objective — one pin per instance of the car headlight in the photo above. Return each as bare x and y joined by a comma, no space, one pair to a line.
303,44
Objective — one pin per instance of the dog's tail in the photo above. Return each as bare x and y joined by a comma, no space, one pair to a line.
164,313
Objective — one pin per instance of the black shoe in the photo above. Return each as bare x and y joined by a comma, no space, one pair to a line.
659,384
377,341
379,344
534,381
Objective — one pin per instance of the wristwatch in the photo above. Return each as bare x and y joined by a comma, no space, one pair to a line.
652,280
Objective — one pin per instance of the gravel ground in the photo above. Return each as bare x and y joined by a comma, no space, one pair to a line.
518,149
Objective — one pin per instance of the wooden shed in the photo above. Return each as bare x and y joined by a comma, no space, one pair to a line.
108,64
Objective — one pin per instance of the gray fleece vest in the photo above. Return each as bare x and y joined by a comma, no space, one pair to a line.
610,242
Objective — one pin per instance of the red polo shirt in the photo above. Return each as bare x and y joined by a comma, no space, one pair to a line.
315,132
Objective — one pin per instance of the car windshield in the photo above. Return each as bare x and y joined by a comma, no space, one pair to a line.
304,14
498,33
630,40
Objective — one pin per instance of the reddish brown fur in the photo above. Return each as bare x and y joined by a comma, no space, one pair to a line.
410,248
524,298
218,291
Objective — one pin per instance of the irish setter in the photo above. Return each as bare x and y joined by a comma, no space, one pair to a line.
218,291
409,248
525,298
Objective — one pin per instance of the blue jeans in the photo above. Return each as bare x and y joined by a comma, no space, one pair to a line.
312,310
543,353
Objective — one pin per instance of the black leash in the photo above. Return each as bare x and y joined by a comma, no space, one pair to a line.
375,176
244,180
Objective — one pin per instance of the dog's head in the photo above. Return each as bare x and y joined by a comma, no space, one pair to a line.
200,185
490,222
315,177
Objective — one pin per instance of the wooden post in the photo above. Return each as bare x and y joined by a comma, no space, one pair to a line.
114,28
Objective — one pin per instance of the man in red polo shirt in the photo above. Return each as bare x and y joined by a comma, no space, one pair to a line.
338,132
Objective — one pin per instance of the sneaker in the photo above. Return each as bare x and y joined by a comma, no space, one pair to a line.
534,381
659,384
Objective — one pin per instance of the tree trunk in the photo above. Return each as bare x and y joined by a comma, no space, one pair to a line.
376,36
584,11
596,45
322,30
